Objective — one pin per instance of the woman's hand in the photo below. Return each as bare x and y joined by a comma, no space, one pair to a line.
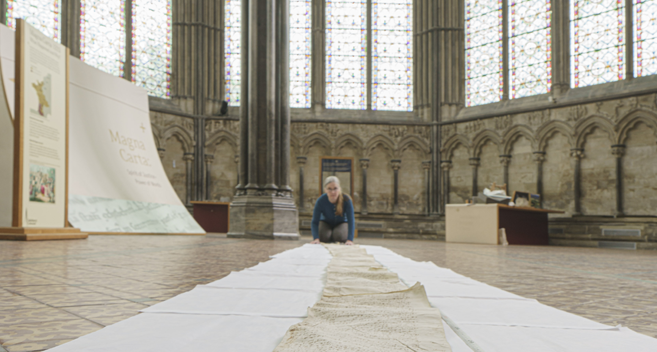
349,243
315,241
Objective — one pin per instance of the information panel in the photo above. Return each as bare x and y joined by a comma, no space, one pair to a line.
41,129
6,125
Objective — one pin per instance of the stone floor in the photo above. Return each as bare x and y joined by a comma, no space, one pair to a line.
52,292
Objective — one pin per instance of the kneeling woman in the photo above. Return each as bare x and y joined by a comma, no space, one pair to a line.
333,217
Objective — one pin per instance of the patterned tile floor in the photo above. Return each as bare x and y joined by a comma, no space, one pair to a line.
53,292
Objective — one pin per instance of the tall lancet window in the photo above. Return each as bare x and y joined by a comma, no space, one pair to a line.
597,41
232,35
484,50
300,49
530,59
102,35
392,55
45,15
151,45
346,55
645,42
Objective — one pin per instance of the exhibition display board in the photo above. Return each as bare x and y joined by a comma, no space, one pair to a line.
40,139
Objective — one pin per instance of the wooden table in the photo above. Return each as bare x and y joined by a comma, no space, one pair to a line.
480,223
212,216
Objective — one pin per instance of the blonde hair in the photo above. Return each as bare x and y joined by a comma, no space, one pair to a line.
340,204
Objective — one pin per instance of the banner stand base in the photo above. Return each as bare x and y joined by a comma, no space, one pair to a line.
41,234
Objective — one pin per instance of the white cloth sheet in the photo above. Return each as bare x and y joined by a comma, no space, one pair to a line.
257,280
181,332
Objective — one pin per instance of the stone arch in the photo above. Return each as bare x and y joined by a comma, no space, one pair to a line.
481,138
451,144
380,140
415,141
633,118
221,136
548,130
586,127
516,132
182,135
316,137
346,139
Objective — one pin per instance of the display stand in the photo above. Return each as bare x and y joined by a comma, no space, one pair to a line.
40,177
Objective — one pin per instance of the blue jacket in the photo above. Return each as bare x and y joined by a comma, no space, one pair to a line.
325,211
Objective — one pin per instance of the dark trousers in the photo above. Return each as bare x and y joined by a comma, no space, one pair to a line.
338,233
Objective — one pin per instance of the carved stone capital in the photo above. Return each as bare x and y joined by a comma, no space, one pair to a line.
395,164
188,157
474,162
505,160
364,163
426,165
577,153
618,150
160,152
237,158
209,158
446,164
301,160
539,157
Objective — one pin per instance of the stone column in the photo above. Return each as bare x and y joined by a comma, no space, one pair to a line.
189,159
70,25
318,81
426,165
396,165
301,161
160,152
539,158
577,154
263,206
618,151
560,47
446,165
364,164
237,162
505,160
209,158
474,162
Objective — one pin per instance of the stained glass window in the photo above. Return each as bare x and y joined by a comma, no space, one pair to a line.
645,41
233,19
300,41
346,55
392,55
102,34
530,61
597,41
483,52
151,45
43,14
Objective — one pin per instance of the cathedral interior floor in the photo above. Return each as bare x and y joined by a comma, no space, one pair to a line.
53,292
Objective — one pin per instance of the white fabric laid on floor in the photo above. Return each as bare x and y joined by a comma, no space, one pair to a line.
463,287
179,332
454,340
258,280
510,313
273,266
521,339
230,301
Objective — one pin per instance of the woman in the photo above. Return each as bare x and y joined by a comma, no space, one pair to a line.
333,217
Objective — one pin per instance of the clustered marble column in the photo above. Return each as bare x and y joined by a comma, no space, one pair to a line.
539,158
474,162
505,160
396,165
618,151
209,158
426,165
364,164
577,154
446,165
189,159
301,161
263,206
